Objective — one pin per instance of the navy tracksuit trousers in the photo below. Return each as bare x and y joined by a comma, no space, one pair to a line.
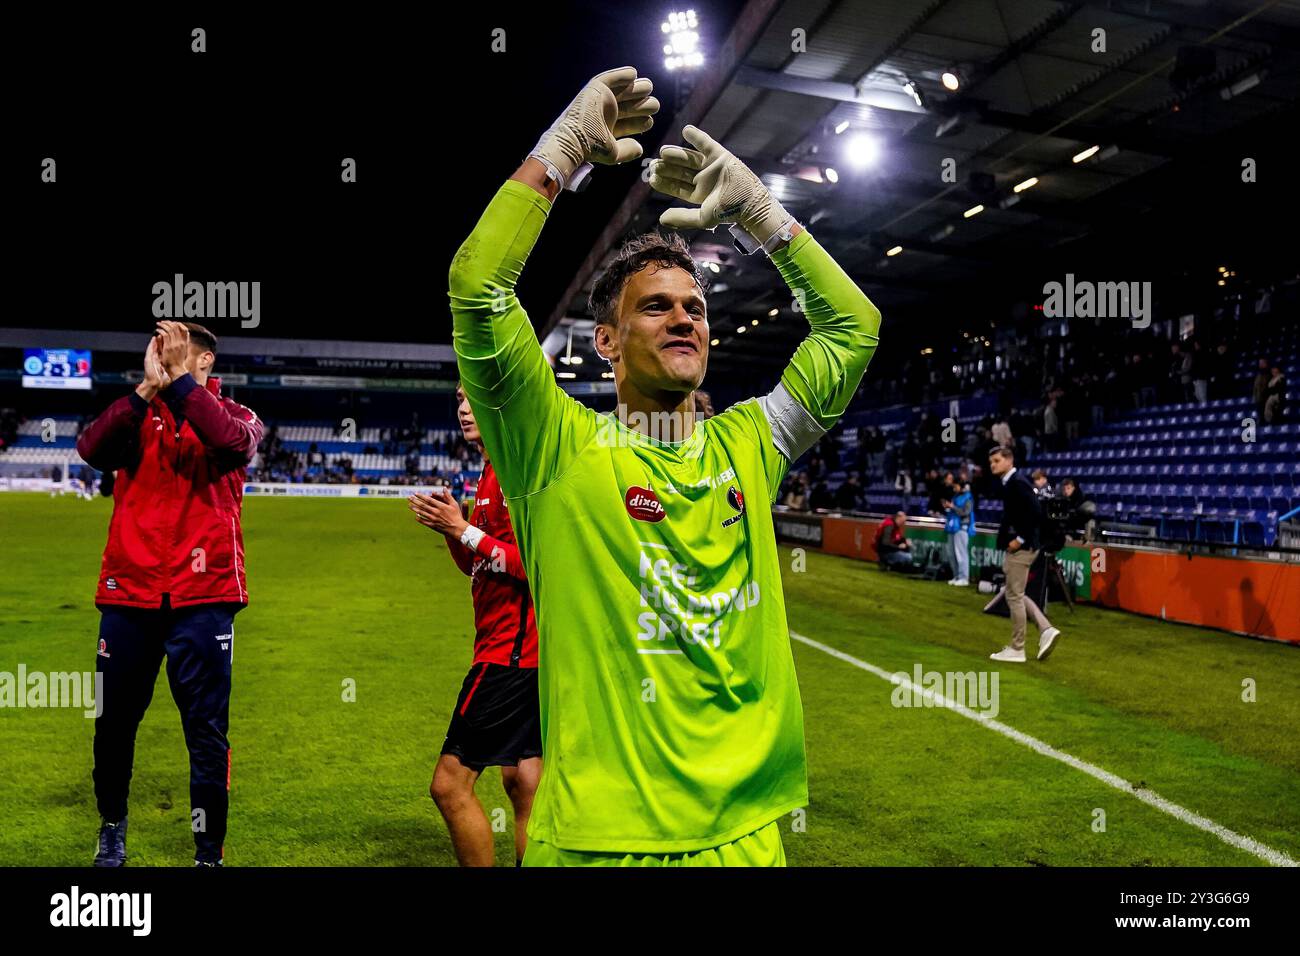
198,643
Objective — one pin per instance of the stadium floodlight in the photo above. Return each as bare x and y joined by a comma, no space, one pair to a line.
862,150
973,211
831,175
841,126
773,313
753,321
715,342
740,331
1241,86
1090,151
681,51
1021,187
566,374
951,81
713,267
606,374
575,360
915,92
894,251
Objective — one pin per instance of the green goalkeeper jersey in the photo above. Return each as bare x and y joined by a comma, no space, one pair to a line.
670,711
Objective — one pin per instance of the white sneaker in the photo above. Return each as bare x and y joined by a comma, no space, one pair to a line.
1010,655
960,583
1046,641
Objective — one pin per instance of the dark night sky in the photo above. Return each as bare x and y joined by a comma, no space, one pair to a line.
225,166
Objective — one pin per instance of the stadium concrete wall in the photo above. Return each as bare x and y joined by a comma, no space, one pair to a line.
855,538
1256,598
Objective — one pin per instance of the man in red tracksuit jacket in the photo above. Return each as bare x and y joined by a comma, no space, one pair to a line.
173,574
497,720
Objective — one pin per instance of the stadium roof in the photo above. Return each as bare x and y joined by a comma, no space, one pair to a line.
1181,92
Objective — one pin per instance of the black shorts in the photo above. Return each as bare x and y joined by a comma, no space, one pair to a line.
497,721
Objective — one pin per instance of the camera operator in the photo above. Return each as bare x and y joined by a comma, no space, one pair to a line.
1042,487
1079,518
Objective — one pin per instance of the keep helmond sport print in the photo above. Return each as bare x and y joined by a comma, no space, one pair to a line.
644,505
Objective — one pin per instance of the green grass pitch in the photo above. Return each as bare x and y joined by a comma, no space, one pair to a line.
356,590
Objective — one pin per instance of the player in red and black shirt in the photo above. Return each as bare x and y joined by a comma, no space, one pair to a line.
497,720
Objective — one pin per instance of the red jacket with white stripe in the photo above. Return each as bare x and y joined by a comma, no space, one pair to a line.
505,625
180,463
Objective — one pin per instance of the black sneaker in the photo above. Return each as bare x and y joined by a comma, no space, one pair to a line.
112,844
209,863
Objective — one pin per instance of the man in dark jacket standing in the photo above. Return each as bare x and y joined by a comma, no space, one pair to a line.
1019,535
173,574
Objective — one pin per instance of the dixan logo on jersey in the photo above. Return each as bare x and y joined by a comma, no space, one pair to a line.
643,504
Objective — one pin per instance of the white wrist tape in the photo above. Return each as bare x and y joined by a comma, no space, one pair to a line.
472,537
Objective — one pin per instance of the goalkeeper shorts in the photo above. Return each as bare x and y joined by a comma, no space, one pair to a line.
763,847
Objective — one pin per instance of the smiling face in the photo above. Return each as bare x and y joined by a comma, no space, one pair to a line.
659,343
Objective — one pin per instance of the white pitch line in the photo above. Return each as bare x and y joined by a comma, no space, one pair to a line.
1149,797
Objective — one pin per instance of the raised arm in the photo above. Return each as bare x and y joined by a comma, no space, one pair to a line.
829,364
530,427
225,427
112,440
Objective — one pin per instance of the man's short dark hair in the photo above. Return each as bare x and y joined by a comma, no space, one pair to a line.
202,338
651,248
1002,451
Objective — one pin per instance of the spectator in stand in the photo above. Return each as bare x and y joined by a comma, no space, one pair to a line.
1002,434
848,497
1222,378
1051,426
1259,393
1200,373
935,489
959,523
1275,397
892,546
821,498
796,499
1180,374
903,485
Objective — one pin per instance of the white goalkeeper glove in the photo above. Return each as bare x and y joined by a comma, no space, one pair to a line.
725,190
612,105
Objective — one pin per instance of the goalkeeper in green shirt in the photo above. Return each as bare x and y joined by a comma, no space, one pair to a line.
670,711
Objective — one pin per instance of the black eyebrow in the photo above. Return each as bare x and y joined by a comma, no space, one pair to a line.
694,298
